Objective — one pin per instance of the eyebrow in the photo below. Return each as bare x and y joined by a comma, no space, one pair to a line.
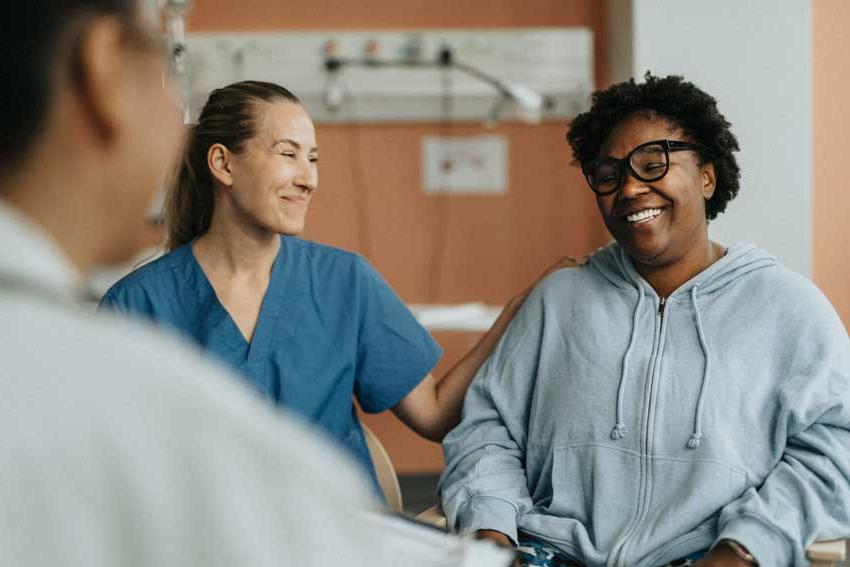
293,143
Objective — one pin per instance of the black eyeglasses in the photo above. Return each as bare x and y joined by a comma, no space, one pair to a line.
648,162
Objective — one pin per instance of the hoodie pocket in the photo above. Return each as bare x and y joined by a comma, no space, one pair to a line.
595,485
602,489
685,495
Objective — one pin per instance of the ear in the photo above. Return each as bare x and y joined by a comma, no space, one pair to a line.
218,160
99,76
709,180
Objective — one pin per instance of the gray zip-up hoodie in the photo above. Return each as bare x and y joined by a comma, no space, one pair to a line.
631,431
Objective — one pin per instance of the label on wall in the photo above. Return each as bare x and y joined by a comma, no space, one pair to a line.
465,165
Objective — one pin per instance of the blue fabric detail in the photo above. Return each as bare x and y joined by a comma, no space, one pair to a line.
534,552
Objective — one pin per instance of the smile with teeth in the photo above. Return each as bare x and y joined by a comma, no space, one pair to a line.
644,215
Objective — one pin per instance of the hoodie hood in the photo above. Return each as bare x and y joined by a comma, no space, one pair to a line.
616,266
740,259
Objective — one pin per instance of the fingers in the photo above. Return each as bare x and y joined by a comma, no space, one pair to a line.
571,262
566,262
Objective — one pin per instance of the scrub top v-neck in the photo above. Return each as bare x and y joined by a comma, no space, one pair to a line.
329,327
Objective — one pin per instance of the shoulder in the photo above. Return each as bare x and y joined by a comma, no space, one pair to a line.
569,275
135,346
102,352
140,390
792,298
781,283
334,266
566,283
123,361
153,272
550,296
786,281
313,249
321,256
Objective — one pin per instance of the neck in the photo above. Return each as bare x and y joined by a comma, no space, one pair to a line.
666,279
234,248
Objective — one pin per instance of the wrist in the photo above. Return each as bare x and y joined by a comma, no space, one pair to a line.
496,536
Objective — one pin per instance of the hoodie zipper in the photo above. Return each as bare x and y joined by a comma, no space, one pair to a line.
645,481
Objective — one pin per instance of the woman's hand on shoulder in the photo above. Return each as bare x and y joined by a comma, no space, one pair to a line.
563,262
567,262
433,409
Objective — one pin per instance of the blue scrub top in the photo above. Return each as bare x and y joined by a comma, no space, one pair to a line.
329,327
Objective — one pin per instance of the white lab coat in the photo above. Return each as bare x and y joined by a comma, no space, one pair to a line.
120,446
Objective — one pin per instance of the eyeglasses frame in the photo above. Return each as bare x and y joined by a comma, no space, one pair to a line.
624,165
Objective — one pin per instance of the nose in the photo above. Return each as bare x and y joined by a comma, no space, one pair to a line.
631,187
307,177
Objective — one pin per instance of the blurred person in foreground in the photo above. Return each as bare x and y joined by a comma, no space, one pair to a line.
675,402
120,446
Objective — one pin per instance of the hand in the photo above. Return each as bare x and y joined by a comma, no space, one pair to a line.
564,262
498,537
722,556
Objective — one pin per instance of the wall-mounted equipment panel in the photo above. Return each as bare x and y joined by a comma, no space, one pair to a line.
470,165
399,76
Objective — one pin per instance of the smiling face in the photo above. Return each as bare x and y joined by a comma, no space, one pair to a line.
269,183
658,223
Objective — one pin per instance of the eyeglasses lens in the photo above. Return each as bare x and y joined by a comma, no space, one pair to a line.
649,162
604,176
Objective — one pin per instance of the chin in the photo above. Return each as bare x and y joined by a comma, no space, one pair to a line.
647,255
289,228
643,247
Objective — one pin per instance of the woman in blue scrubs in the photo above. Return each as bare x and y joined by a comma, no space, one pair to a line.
307,325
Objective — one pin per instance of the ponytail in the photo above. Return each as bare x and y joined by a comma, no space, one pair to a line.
189,202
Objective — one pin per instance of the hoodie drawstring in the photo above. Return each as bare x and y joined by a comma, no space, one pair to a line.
619,430
694,441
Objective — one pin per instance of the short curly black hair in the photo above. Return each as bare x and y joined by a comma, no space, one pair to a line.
674,99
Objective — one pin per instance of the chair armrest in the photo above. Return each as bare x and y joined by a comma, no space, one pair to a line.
826,553
434,516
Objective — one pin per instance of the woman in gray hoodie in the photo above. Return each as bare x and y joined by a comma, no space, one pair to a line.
674,401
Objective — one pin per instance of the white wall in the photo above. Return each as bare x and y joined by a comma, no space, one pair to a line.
755,58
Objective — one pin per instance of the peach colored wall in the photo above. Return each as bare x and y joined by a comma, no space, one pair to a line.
369,200
831,20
